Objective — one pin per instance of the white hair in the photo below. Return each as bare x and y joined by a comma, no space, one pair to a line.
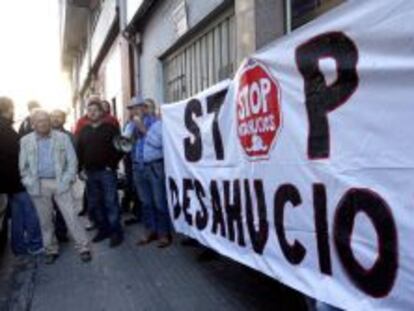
38,113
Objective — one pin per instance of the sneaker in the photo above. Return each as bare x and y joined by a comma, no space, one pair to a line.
51,258
116,240
100,237
86,256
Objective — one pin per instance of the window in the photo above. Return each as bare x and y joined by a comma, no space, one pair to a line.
204,61
302,11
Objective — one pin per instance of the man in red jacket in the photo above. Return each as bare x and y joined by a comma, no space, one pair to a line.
99,159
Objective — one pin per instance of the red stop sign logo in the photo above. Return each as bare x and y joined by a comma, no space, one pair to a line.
258,110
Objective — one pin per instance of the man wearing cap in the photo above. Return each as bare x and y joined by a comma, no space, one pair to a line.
155,219
99,159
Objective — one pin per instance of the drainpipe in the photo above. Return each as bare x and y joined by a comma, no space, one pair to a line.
134,40
137,62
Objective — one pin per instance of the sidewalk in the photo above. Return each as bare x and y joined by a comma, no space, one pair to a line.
134,278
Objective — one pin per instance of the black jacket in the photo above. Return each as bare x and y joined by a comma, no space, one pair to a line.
25,127
95,147
10,181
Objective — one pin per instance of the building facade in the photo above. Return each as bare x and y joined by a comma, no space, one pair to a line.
95,53
168,50
184,46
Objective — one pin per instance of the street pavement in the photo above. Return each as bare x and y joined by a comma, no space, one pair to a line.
138,278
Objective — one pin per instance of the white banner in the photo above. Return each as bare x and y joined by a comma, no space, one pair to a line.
302,166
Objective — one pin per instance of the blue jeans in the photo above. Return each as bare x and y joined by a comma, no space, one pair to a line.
150,184
103,201
25,231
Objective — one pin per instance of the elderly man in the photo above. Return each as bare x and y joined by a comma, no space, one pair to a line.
149,173
48,167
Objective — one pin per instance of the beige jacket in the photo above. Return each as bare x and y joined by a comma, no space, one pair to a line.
66,163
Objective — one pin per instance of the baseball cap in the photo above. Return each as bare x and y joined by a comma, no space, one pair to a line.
136,101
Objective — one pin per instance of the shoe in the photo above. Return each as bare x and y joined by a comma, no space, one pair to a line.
62,238
51,258
116,240
90,226
100,237
35,252
190,242
164,241
207,255
86,256
131,221
147,239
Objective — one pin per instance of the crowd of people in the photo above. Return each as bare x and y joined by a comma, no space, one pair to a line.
42,163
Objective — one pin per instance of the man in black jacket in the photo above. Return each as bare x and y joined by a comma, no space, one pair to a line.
26,236
99,159
58,119
26,126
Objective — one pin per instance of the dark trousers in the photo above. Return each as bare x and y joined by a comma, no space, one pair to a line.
130,194
61,230
25,232
103,201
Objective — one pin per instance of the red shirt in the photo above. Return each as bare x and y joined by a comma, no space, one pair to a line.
82,122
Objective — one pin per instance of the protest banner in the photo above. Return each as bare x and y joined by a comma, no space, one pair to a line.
302,166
